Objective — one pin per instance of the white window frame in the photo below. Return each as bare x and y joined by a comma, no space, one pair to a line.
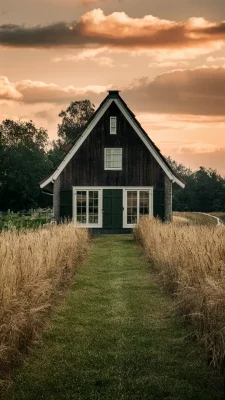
100,203
113,129
135,189
87,190
113,169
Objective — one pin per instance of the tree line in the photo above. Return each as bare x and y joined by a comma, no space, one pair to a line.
204,190
27,156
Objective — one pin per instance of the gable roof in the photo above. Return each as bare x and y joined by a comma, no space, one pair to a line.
114,96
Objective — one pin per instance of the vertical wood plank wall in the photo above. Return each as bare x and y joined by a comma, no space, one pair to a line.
140,168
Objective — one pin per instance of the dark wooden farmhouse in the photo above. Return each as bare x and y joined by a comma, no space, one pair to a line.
113,174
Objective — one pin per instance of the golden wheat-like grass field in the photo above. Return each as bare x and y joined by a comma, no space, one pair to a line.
34,267
190,260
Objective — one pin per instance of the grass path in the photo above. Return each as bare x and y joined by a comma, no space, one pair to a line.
113,338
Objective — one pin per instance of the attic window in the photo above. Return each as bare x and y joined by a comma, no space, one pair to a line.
113,159
113,126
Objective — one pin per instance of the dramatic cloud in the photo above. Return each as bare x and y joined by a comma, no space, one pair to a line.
200,91
40,92
117,31
8,90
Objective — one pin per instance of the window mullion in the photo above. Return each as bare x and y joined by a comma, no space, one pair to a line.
87,207
75,206
138,205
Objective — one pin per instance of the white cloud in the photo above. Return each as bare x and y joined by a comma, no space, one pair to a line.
8,90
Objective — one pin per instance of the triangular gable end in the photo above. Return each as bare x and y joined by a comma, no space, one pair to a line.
113,97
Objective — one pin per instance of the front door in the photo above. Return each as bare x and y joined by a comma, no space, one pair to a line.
112,208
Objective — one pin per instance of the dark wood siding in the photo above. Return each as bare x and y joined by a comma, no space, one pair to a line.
86,168
159,203
66,204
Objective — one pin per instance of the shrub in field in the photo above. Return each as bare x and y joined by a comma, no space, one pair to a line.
190,260
19,223
34,266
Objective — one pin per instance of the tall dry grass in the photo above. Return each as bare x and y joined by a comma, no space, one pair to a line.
34,266
190,260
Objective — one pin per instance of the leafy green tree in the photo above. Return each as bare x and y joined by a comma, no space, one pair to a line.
179,169
74,118
23,163
56,153
204,190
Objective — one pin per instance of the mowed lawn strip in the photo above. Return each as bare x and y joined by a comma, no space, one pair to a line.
114,338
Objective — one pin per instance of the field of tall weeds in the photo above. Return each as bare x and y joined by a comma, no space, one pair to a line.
190,261
34,268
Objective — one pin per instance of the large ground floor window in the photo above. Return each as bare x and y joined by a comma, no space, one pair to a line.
137,204
87,207
128,207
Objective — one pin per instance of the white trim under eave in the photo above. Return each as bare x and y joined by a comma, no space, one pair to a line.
45,183
80,141
176,180
147,144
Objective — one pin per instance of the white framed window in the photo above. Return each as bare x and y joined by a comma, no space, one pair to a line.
138,202
87,207
113,159
113,126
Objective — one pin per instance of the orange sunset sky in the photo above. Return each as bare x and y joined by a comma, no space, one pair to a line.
166,56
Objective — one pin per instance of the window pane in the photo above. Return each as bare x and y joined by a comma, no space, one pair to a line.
81,206
113,158
93,207
91,219
132,207
144,203
113,125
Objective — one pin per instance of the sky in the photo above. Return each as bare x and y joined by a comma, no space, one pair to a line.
166,57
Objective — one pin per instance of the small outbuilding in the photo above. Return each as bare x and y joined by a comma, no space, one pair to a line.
113,174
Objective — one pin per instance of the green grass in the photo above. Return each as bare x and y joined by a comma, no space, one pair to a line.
197,219
220,215
222,218
114,338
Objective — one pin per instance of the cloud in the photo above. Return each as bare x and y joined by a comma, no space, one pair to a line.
46,115
179,122
40,92
88,55
199,91
197,148
86,2
117,31
210,159
168,64
215,59
8,90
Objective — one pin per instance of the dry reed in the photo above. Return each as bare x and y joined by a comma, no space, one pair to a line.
34,266
190,260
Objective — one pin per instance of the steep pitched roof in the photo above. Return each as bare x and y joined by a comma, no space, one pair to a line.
113,96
